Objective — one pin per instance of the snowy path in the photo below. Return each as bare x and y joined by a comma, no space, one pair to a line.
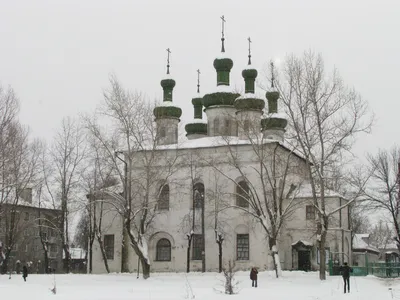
293,285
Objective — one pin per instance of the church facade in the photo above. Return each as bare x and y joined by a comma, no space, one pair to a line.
204,204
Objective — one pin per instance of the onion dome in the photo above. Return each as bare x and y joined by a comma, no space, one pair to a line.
197,126
249,101
274,119
223,65
166,109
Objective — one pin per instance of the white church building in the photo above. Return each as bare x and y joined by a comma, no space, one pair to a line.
203,187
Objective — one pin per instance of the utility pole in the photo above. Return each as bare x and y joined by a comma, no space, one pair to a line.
125,237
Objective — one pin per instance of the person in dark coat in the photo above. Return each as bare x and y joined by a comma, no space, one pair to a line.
346,270
24,272
253,276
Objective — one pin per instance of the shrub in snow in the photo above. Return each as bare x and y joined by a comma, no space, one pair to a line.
230,282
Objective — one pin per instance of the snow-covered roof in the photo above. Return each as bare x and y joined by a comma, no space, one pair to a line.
391,246
359,243
223,89
166,104
34,204
305,191
167,76
304,242
248,96
211,141
222,55
197,121
276,115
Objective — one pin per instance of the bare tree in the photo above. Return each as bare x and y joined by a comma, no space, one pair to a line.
62,171
18,169
381,234
383,189
216,196
99,175
131,117
265,190
325,118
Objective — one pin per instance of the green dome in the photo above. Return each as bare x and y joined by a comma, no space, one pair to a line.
249,73
249,104
223,64
273,122
219,98
197,101
272,96
168,83
167,111
196,128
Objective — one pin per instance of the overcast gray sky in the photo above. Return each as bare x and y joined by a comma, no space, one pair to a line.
57,55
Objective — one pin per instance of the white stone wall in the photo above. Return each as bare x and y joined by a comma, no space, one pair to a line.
221,120
167,130
171,223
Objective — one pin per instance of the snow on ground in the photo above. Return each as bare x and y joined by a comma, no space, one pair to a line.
292,285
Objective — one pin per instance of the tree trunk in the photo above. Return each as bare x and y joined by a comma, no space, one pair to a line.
91,257
124,251
275,256
188,255
219,256
103,252
46,261
67,259
145,268
322,256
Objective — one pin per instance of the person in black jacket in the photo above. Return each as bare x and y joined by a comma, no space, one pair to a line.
24,272
253,276
346,270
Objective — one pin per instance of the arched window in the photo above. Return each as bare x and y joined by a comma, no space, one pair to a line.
246,125
163,249
216,126
163,199
162,132
227,127
242,194
198,195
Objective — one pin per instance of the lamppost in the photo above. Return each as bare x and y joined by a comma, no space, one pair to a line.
124,249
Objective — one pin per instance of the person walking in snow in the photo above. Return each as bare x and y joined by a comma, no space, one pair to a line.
24,272
253,276
346,270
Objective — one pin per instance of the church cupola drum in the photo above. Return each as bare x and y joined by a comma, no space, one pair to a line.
219,108
167,114
197,128
249,107
273,126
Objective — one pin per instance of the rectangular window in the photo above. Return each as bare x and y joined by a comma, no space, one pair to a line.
14,247
26,216
197,247
310,212
53,248
44,235
109,245
242,246
26,232
36,248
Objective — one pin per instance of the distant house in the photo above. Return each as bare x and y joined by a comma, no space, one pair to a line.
23,227
78,260
363,250
390,253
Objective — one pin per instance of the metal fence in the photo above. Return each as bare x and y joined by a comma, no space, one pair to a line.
379,269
